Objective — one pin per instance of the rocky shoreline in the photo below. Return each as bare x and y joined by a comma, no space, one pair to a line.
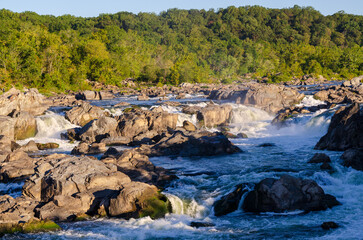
124,183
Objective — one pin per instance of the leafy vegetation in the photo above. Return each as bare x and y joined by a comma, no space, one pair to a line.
60,53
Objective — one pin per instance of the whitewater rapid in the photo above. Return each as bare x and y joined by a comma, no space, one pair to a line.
204,180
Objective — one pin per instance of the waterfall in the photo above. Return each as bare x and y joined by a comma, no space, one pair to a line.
185,207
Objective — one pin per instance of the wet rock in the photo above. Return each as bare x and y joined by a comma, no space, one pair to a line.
288,194
345,130
326,166
30,101
353,158
320,158
329,225
267,145
201,224
230,202
187,144
88,95
45,146
242,135
84,113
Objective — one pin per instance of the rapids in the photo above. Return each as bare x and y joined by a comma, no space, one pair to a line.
203,180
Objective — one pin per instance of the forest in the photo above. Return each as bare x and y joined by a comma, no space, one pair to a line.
175,46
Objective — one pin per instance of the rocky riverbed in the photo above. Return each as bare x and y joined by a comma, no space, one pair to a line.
199,161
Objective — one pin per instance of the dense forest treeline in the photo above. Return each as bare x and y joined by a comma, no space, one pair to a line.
59,53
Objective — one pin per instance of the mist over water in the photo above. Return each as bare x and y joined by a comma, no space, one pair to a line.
203,180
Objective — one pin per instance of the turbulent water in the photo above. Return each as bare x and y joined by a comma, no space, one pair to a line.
203,180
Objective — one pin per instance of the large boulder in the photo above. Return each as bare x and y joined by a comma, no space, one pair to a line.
230,202
345,130
287,194
214,115
137,122
84,113
30,101
353,158
16,166
25,125
98,129
137,199
271,98
187,144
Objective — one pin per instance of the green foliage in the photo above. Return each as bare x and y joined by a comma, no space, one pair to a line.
33,226
60,53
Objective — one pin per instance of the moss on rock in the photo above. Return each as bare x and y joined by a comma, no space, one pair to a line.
155,207
33,226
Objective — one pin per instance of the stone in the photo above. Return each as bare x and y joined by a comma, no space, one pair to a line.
84,113
31,146
98,129
287,194
329,225
7,127
45,146
25,126
30,101
230,202
320,158
187,144
214,115
353,158
345,130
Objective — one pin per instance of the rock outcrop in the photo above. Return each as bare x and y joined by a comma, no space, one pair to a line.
84,113
287,194
30,101
188,144
345,130
271,98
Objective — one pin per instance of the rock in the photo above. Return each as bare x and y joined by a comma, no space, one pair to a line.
84,148
25,125
353,158
201,224
106,95
189,144
326,166
345,130
30,101
5,144
142,98
136,200
98,129
242,135
329,225
45,146
214,115
116,141
287,194
88,95
189,126
267,145
271,98
84,113
7,127
320,158
230,202
122,104
137,122
31,146
17,166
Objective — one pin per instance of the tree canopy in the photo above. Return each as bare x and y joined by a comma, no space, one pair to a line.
59,53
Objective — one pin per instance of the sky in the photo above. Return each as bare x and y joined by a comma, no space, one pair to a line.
92,8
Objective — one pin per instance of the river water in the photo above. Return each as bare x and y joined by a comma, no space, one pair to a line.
203,180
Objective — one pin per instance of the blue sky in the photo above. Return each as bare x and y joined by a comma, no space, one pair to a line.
91,8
